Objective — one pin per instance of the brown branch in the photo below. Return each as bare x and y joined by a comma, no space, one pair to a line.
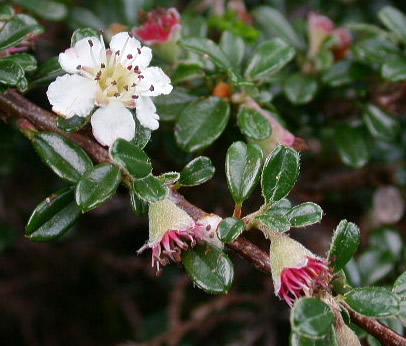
13,105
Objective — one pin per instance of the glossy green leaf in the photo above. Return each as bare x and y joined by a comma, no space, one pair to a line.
281,170
351,146
53,217
274,24
209,267
208,48
394,20
6,12
183,73
394,70
243,169
65,158
274,222
373,301
345,242
139,206
97,185
300,89
387,240
269,57
50,10
234,48
312,318
16,29
201,123
380,124
11,72
376,50
26,61
169,177
142,135
79,34
329,339
344,72
305,214
399,287
374,265
197,172
280,208
130,158
253,124
150,189
72,124
230,229
170,106
47,73
402,313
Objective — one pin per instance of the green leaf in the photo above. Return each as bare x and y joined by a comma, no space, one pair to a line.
253,124
183,73
329,339
150,189
269,57
201,123
394,20
243,168
387,239
197,172
26,61
374,265
79,34
305,214
142,135
97,185
312,318
234,48
399,287
344,72
208,48
6,12
11,72
274,24
80,17
345,242
130,158
376,50
53,217
169,177
47,73
209,267
230,229
170,106
351,146
394,70
72,124
139,206
373,301
275,222
280,173
300,89
66,159
50,10
280,208
380,124
16,29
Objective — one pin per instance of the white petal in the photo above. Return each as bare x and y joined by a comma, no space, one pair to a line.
155,77
146,113
112,122
80,54
143,59
72,95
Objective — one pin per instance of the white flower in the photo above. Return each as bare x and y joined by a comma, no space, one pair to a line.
113,79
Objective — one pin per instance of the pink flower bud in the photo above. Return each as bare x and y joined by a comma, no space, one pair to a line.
158,26
344,41
295,270
320,27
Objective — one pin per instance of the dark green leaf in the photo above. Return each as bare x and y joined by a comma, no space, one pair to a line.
253,124
170,106
394,70
344,72
343,245
169,177
72,124
373,301
329,339
26,61
210,268
243,168
381,125
305,214
11,72
230,229
80,17
274,222
387,239
280,208
66,159
197,171
183,73
300,88
376,50
269,57
53,217
139,206
130,158
280,173
79,34
142,135
50,10
394,20
47,73
234,48
6,12
201,123
312,318
16,29
374,265
150,189
399,287
97,185
351,146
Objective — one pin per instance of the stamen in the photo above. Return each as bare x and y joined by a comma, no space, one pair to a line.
134,97
78,67
139,51
102,65
90,43
129,67
113,82
118,52
126,87
98,75
116,94
151,88
129,56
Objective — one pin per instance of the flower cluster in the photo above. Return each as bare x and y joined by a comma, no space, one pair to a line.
113,79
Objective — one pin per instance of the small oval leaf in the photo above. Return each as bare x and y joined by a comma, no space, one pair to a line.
197,172
253,124
230,229
305,214
150,189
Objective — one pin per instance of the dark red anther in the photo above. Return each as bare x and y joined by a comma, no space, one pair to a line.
90,43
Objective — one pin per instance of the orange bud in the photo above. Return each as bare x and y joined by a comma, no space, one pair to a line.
222,90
